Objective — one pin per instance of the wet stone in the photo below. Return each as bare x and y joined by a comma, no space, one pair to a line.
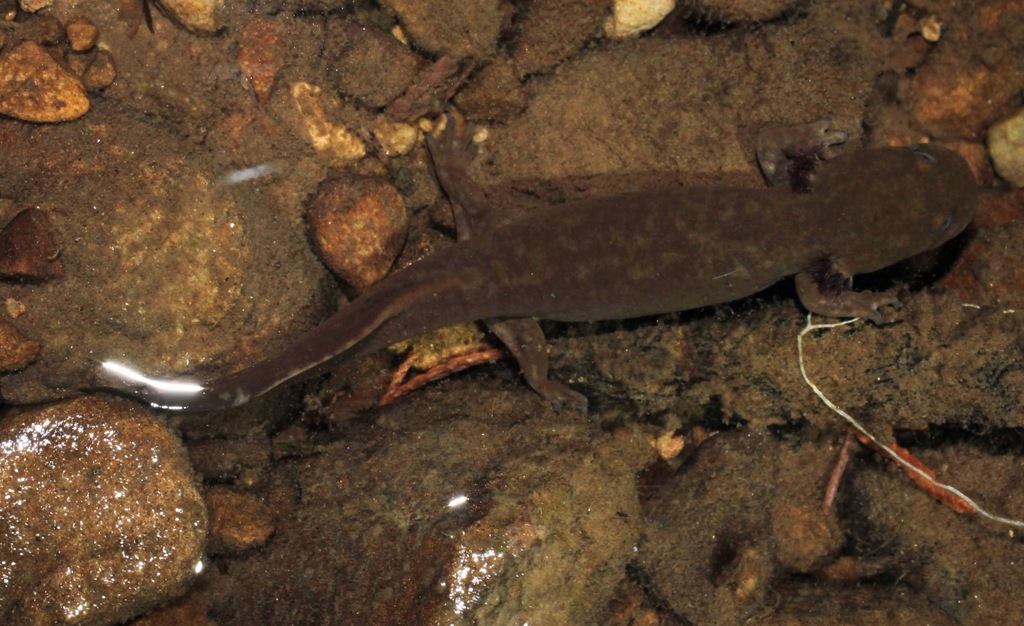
82,34
495,94
101,514
261,54
543,531
464,29
27,249
31,6
16,352
358,227
199,16
238,521
36,88
708,548
100,73
1006,146
952,96
555,30
351,51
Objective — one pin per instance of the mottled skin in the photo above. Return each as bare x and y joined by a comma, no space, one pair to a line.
640,254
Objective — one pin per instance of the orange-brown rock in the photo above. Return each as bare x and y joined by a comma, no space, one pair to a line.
16,352
101,72
260,54
955,97
358,227
82,34
27,248
36,88
238,521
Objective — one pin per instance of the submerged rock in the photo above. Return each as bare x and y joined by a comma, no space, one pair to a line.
36,88
102,516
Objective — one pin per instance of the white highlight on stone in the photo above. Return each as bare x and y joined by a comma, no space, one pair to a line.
457,501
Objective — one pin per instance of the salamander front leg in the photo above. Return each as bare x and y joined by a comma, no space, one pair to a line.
826,290
453,152
789,154
525,340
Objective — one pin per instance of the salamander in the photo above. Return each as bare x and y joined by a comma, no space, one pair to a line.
635,254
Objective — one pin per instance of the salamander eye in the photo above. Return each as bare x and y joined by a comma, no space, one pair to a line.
944,226
924,155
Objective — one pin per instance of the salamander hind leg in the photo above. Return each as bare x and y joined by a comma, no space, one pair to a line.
826,290
789,154
525,340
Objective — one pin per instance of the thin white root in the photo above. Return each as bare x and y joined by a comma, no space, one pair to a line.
910,467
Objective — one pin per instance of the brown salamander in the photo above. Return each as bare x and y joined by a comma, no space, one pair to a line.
637,254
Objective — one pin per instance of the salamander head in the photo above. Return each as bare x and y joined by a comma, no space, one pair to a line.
951,190
887,205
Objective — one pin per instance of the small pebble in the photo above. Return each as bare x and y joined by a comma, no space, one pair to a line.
16,352
1006,147
238,521
14,308
101,72
199,16
82,34
395,138
632,17
31,6
261,54
315,111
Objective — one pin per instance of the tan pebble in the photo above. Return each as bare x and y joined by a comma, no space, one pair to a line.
358,227
15,308
669,445
35,88
395,138
31,6
82,34
238,521
199,16
632,17
1006,147
399,34
261,54
931,28
16,352
101,72
339,143
441,345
